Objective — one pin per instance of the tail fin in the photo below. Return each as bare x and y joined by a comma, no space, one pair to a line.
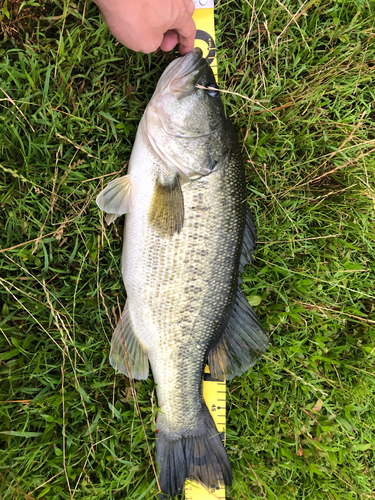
201,457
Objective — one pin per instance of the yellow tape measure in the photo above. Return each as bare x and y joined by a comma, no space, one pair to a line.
214,392
205,38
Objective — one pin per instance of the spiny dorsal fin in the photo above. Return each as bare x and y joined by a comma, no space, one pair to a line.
248,245
242,344
127,351
166,213
115,199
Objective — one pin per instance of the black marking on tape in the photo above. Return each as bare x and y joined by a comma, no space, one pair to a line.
207,378
206,37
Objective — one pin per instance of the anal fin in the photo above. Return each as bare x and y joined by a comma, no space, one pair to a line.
243,342
127,353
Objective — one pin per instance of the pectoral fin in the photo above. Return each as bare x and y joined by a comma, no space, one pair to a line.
166,213
109,218
115,200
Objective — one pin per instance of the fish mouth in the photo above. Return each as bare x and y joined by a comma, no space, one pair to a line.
191,62
188,72
181,75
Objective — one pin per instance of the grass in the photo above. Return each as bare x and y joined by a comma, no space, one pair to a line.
300,81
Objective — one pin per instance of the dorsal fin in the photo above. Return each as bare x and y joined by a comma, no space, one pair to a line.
244,339
248,245
242,344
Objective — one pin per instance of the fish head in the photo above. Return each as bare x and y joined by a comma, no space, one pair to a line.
185,122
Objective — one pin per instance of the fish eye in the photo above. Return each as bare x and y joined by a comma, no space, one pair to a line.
211,92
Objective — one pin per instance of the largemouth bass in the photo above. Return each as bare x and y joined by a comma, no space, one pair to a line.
188,235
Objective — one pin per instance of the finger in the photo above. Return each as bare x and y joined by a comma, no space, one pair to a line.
186,34
140,41
170,40
147,43
190,6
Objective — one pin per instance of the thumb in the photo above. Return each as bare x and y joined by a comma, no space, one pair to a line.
186,30
170,40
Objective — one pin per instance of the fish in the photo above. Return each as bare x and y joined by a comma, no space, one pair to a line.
188,236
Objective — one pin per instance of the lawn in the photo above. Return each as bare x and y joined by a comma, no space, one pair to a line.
300,82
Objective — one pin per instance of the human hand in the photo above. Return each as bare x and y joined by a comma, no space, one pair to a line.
146,25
